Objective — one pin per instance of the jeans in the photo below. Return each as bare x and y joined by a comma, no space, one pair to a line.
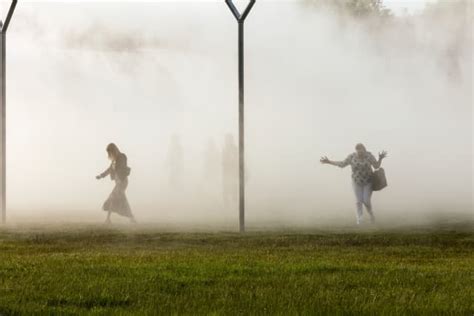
363,195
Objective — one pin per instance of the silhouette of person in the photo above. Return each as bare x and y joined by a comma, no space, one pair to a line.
175,162
362,163
230,171
118,171
211,163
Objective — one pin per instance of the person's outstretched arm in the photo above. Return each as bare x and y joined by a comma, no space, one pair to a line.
377,163
103,174
340,164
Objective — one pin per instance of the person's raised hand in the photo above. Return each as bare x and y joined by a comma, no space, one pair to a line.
324,160
98,177
383,155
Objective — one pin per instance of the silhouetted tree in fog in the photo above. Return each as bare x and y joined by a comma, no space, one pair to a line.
357,8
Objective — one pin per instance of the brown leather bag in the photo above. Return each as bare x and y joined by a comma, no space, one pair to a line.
379,181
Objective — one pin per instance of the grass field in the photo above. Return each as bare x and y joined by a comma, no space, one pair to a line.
79,269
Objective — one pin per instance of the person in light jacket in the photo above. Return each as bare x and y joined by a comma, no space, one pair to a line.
118,171
361,163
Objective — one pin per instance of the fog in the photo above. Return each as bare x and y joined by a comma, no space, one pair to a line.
317,82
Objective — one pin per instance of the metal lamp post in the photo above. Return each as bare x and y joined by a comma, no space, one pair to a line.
241,20
3,105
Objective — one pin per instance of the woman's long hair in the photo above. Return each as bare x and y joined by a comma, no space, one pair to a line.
113,151
360,146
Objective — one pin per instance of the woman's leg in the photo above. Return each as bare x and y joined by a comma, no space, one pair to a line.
107,221
367,199
108,208
359,194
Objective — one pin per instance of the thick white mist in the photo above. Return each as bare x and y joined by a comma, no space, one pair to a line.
317,83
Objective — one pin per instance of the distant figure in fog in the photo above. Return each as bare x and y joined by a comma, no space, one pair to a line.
230,171
361,162
175,162
119,172
211,165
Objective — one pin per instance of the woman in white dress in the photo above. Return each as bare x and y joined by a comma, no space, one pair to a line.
118,171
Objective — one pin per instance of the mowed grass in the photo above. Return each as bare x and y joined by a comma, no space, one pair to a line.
142,270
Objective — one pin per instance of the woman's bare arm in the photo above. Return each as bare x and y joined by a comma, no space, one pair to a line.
340,164
103,174
377,163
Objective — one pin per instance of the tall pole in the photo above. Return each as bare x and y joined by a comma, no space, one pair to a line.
241,130
3,130
241,21
3,106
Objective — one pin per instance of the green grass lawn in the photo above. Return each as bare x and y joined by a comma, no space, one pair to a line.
143,270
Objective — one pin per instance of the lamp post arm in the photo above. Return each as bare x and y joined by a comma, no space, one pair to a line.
9,16
233,9
247,10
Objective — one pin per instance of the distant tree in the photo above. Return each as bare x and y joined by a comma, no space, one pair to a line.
450,25
356,8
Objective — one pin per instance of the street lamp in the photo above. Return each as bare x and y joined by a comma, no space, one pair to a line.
3,105
241,20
